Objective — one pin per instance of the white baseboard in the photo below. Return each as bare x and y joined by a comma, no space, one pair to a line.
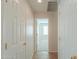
47,51
53,51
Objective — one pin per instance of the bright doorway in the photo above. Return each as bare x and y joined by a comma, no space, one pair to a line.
42,34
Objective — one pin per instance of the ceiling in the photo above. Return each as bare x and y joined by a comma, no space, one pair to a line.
39,7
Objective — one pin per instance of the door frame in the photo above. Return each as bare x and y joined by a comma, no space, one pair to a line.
35,34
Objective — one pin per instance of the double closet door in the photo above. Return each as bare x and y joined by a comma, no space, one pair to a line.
16,39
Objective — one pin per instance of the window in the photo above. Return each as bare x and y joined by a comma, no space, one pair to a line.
45,30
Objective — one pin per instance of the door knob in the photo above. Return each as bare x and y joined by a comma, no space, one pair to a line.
5,46
24,43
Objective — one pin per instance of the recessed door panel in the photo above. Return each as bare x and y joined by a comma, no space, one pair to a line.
8,18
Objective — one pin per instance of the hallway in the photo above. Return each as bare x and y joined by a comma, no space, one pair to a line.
46,55
22,38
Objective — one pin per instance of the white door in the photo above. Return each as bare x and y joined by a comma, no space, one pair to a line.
17,31
21,33
8,37
13,35
42,38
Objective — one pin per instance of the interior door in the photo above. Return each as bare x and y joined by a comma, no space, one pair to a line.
21,32
8,18
43,37
24,31
17,30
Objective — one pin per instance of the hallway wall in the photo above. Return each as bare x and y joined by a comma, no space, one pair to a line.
53,31
67,16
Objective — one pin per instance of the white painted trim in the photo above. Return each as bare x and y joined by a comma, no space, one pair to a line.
47,51
43,50
53,51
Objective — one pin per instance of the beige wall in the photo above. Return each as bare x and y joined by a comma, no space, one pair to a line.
53,32
53,36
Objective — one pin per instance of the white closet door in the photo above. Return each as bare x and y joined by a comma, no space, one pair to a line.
21,44
29,33
21,33
17,30
8,41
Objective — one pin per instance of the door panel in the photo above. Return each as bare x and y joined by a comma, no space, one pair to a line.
8,17
21,40
17,30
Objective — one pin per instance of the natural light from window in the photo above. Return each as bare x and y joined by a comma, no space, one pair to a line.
45,30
